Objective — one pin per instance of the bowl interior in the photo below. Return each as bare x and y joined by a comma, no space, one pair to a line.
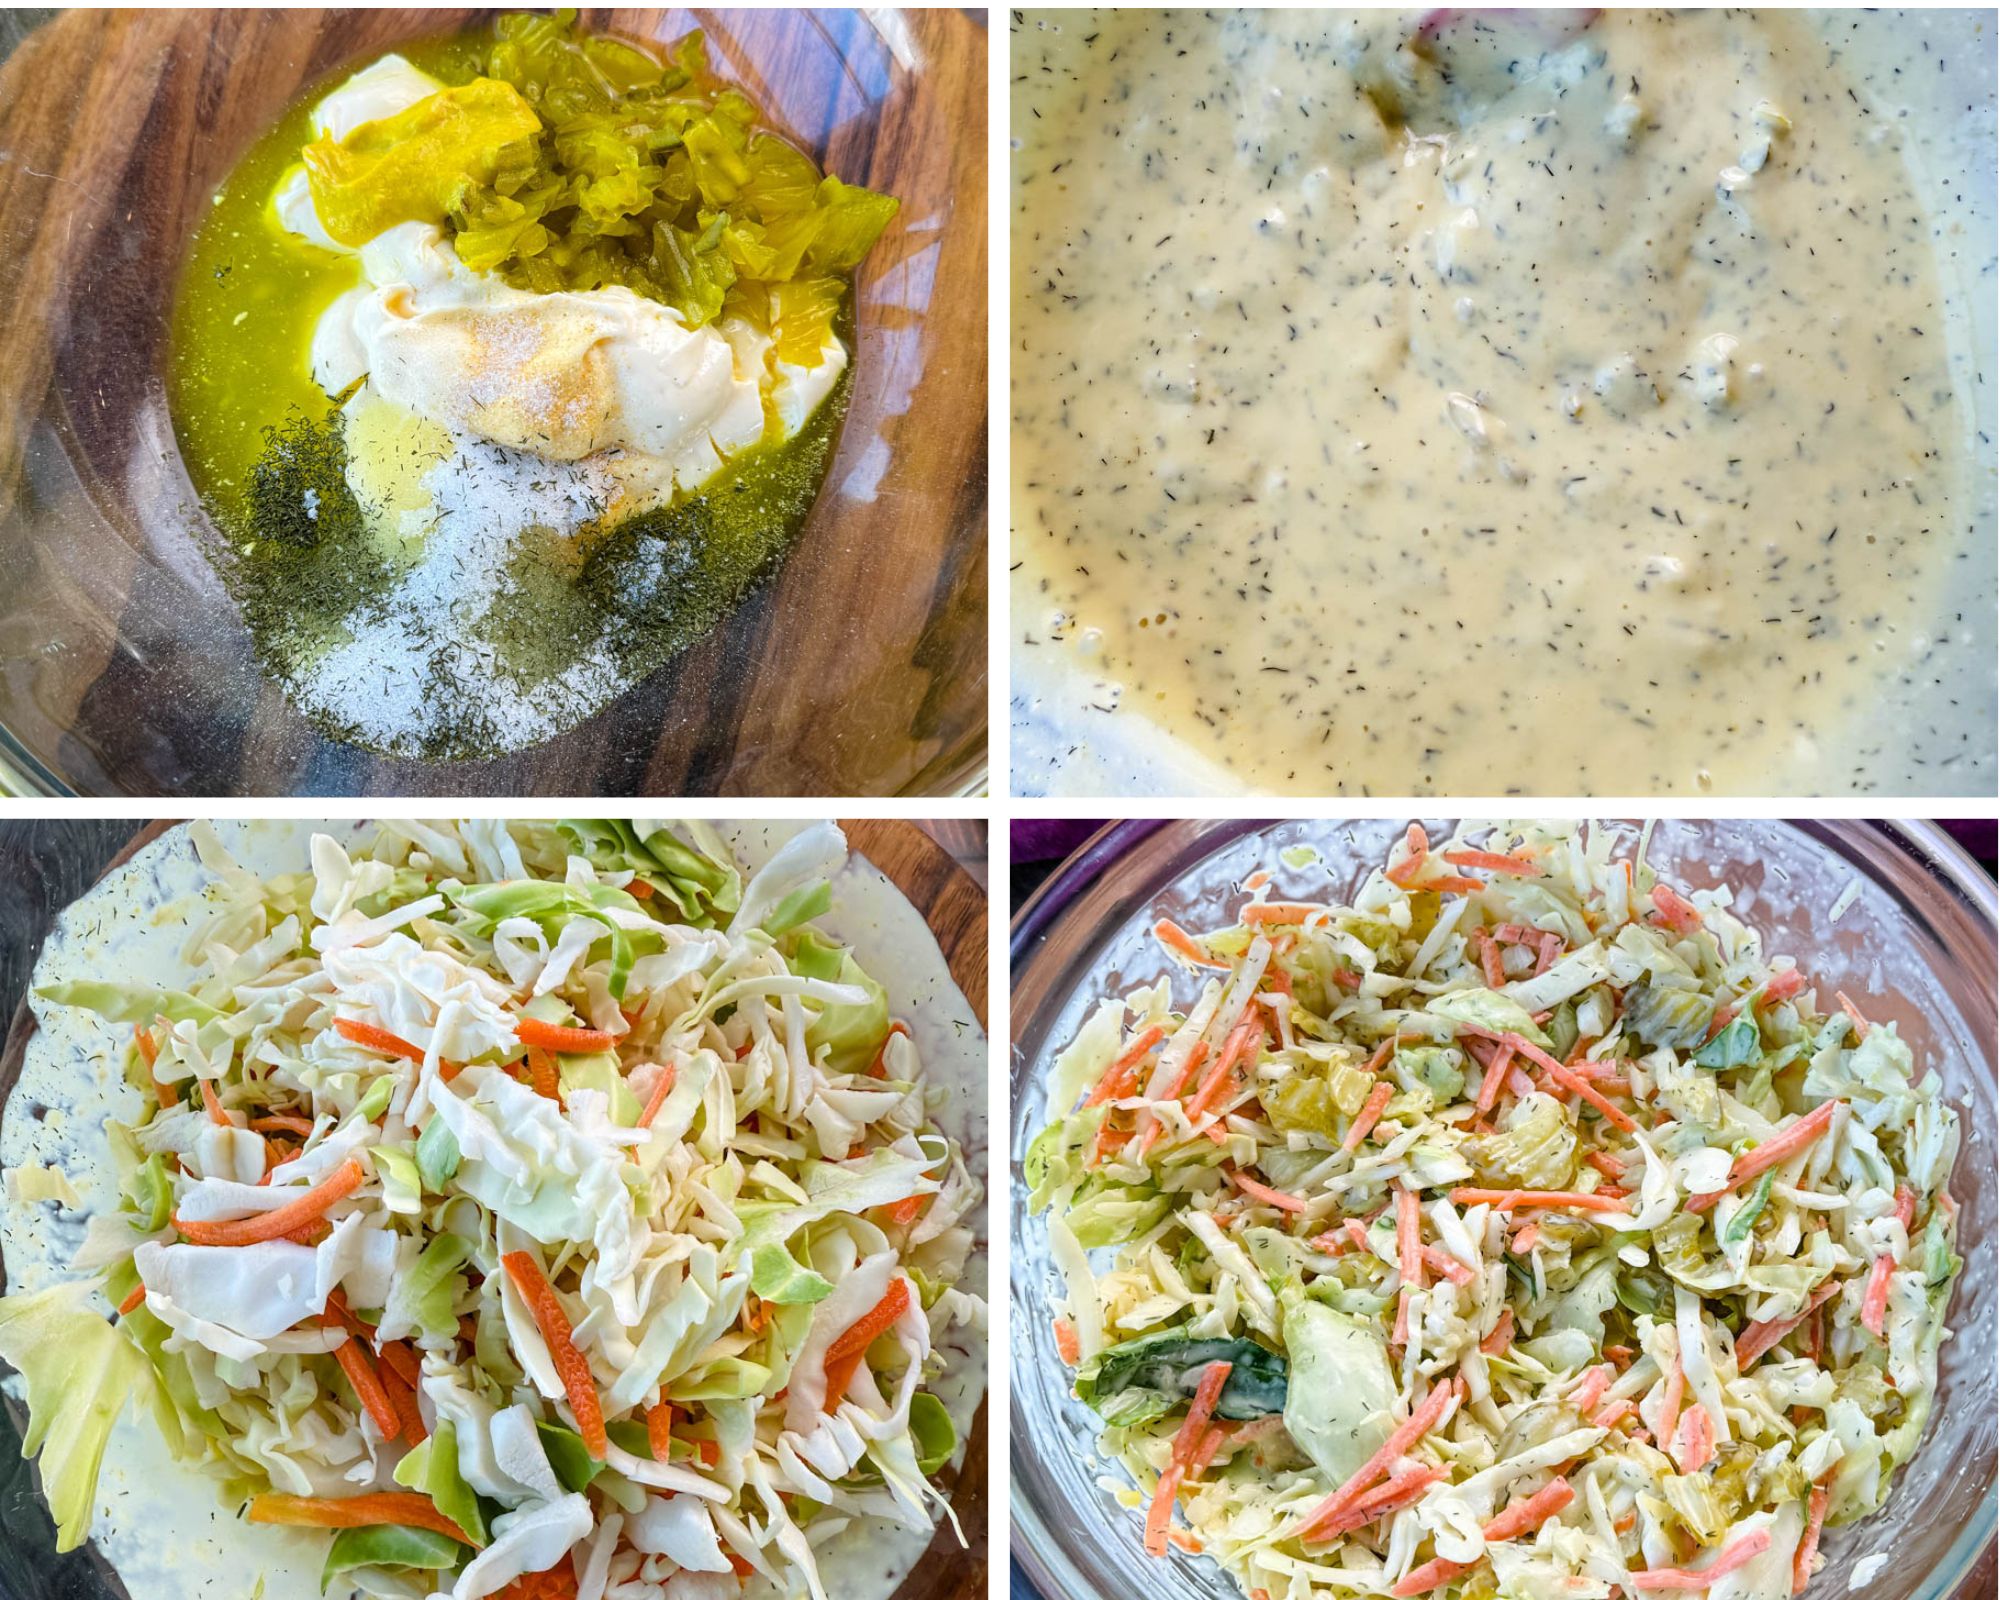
1917,942
858,668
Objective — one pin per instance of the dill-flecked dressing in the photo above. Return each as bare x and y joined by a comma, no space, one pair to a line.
1552,406
574,620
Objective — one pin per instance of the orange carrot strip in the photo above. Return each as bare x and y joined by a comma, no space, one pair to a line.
1160,1512
1906,1205
1150,1133
1400,1336
1875,1298
1780,1147
1489,959
1758,1337
1609,1416
660,1430
1496,1075
1578,1086
879,1067
532,1031
1371,1113
1592,1386
542,1073
844,1356
1524,1239
1694,1440
1802,1560
1433,1574
337,1315
1419,845
1734,1554
903,1212
1188,1437
1552,1199
1675,1382
274,1124
214,1105
1677,913
409,1419
658,1097
1264,1192
1524,1516
1381,1500
1854,1013
1280,914
400,1359
149,1052
370,1037
132,1301
1409,1238
1232,1050
1494,861
1609,1165
1120,1071
405,1508
1502,1334
1420,1422
1446,1265
353,1358
1068,1345
1783,986
310,1207
1175,938
571,1365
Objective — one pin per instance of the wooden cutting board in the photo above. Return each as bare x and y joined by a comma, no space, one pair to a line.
955,908
857,668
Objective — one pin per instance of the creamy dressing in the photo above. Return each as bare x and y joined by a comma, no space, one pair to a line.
1503,403
162,1524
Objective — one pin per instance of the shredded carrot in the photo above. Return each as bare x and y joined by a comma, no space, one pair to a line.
1854,1014
352,1355
132,1301
1496,1075
1233,1049
1187,1438
1068,1345
1619,1355
1118,1080
1160,1513
1172,1091
1409,1238
1524,1516
903,1212
542,1074
149,1052
214,1105
1451,885
1433,1574
1279,914
403,1399
879,1067
1626,1523
310,1207
1489,959
1694,1440
400,1359
1757,1337
527,1277
639,889
1783,986
370,1037
1502,1334
276,1124
405,1508
1381,1500
337,1315
532,1031
1397,1445
1418,845
1677,913
1802,1559
1591,1387
844,1356
1175,938
1525,1239
1780,1147
1875,1298
1447,1265
1734,1554
709,1451
1607,1164
1906,1205
1536,1199
1371,1113
658,1098
660,1430
1556,1070
1494,861
1264,1192
1611,1414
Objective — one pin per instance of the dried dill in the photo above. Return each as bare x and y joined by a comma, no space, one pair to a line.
298,489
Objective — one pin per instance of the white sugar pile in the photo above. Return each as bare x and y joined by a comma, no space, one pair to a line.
426,663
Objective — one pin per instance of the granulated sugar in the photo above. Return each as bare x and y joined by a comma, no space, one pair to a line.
434,663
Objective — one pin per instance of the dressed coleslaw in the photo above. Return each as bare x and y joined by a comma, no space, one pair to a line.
1519,1229
540,1206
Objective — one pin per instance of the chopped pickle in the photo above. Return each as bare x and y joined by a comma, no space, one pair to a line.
657,179
416,165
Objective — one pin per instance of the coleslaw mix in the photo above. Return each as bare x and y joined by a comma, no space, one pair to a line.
539,1205
1520,1229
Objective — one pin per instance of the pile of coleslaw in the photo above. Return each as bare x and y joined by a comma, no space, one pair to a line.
540,1206
1520,1229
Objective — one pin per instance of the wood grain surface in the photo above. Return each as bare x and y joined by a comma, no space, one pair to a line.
858,669
955,909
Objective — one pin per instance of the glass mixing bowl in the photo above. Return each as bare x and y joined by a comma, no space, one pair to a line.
858,668
1919,941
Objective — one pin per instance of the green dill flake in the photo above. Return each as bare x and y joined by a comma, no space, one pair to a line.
298,489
